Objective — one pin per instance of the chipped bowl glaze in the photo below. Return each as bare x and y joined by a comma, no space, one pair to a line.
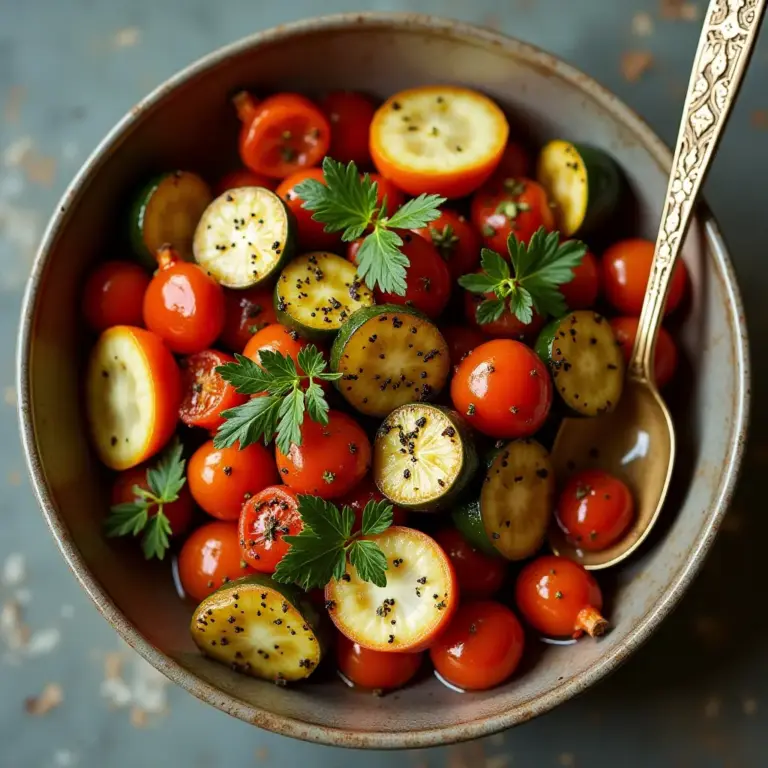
177,126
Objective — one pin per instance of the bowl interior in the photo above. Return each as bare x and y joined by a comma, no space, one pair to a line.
191,125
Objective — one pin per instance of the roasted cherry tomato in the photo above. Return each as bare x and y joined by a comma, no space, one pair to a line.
183,305
377,670
206,394
360,495
595,509
559,598
350,114
626,267
179,512
223,479
461,341
276,338
507,326
515,163
114,295
478,574
246,312
281,134
481,647
265,520
209,558
243,177
456,241
510,206
665,356
387,192
582,291
312,235
503,389
331,459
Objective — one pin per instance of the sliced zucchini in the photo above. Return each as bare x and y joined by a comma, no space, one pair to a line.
244,237
390,356
586,362
469,522
317,292
166,212
583,182
260,628
423,456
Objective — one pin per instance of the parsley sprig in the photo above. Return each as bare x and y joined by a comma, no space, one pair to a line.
538,268
146,512
347,203
280,412
320,552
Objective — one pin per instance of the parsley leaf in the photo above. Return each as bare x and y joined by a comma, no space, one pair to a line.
416,213
156,535
369,561
377,517
127,518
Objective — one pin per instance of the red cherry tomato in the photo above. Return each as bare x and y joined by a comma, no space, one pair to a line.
626,267
264,522
481,647
377,670
507,326
478,574
312,234
183,305
206,394
510,206
223,479
242,177
386,190
559,598
595,509
282,134
276,338
350,114
114,295
461,341
665,356
456,241
360,495
246,312
331,459
582,291
209,558
503,389
179,512
515,163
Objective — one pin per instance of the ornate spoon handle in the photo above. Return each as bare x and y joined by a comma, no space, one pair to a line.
725,46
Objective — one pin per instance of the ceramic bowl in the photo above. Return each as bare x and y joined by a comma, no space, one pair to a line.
189,122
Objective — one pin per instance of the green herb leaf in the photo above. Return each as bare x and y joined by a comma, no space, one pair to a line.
521,304
381,263
317,405
291,417
245,375
248,423
156,536
167,477
489,311
377,517
417,213
127,518
369,561
494,266
478,283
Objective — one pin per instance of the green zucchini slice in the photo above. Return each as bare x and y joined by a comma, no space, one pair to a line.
317,292
389,355
586,362
244,237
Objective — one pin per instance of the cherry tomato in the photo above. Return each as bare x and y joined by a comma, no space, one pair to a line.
183,305
331,459
461,341
350,114
507,326
582,291
595,509
282,134
360,495
312,235
246,312
665,356
264,522
223,479
386,190
510,206
276,338
114,295
242,177
478,574
515,163
481,647
206,394
559,598
626,268
179,512
456,241
209,558
503,389
377,670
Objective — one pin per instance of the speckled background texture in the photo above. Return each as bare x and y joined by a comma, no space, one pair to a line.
696,696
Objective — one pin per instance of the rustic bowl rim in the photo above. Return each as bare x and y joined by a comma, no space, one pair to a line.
289,726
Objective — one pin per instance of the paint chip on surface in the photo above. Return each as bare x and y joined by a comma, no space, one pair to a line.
642,24
50,698
678,10
14,477
126,38
262,754
143,689
43,642
14,569
9,395
13,105
634,64
65,758
759,119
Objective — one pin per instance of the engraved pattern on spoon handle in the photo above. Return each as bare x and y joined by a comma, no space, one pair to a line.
725,46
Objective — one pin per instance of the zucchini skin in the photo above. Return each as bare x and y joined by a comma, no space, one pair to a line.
604,184
469,523
136,222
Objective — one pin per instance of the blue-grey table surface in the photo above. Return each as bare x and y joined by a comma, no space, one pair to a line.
695,696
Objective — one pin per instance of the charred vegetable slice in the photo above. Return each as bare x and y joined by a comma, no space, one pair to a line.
586,362
423,456
166,212
244,237
389,356
317,292
260,628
